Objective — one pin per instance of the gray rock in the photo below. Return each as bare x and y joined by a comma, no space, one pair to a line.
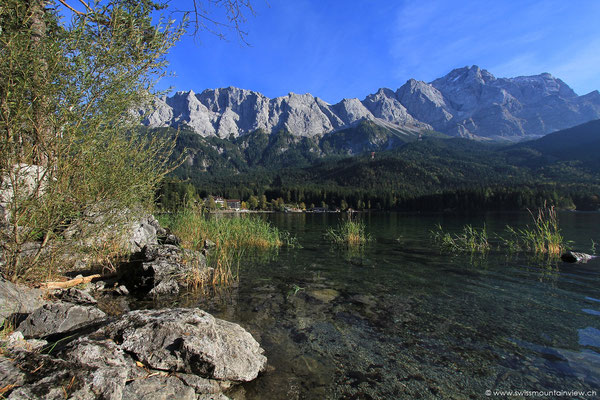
131,230
122,290
171,239
200,385
58,318
98,286
85,369
75,296
216,396
10,374
173,346
108,365
17,342
575,257
165,287
190,341
166,266
18,299
158,387
49,378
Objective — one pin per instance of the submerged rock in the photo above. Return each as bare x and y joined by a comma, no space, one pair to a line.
58,317
190,341
324,295
575,257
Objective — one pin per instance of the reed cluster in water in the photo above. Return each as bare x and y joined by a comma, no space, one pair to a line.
470,239
542,237
233,237
349,232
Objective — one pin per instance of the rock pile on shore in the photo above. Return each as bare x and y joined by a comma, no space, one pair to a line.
65,346
70,349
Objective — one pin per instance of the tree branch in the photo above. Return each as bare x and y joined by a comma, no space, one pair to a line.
64,3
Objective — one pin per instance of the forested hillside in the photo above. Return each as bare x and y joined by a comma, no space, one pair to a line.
395,171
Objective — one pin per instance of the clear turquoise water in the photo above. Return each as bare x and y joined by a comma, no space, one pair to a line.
403,320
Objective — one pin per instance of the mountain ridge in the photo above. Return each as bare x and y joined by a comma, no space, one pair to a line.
467,102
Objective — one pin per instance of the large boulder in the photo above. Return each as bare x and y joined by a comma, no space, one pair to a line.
150,355
144,232
190,341
18,299
59,317
127,230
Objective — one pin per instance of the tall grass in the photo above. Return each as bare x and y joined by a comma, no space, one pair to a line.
543,237
234,238
470,239
349,232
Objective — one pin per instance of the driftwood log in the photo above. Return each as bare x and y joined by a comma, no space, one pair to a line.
70,283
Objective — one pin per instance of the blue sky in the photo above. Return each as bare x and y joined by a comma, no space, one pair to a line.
338,49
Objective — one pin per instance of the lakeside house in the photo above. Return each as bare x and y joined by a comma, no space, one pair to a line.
222,203
234,204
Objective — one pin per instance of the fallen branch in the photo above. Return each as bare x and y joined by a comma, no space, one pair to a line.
70,283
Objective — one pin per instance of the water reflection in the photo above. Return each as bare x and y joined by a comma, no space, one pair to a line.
592,312
589,337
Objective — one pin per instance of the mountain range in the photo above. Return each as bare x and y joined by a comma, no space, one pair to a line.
467,102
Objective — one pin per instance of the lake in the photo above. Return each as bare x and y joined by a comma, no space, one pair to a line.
401,319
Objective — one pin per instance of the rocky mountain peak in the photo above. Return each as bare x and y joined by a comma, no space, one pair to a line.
466,76
467,101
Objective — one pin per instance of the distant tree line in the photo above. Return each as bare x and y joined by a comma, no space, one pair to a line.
174,194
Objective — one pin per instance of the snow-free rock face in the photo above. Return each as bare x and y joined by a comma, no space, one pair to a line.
235,112
486,106
467,102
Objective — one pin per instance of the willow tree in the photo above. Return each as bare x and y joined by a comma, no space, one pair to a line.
69,88
66,94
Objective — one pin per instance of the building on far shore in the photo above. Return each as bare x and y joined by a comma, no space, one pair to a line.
234,204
